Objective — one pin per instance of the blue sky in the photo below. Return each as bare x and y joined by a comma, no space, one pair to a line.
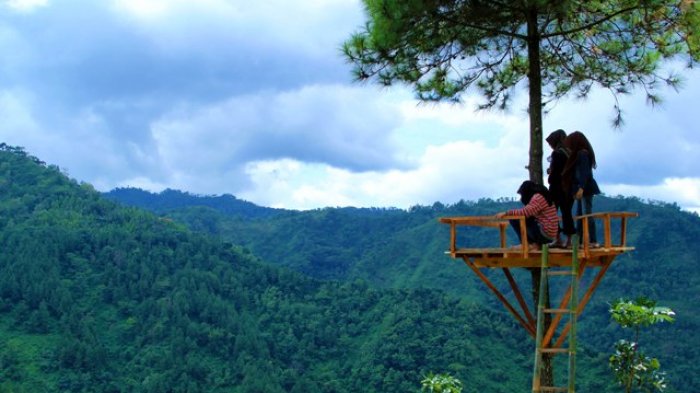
254,99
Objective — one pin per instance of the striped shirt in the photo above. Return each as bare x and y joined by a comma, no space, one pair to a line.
545,214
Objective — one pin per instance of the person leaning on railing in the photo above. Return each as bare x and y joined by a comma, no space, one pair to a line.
541,222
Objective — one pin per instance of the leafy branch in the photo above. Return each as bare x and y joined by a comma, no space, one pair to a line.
631,367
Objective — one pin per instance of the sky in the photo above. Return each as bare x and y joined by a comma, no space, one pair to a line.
254,99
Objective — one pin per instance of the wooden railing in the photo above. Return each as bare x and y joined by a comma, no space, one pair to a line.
502,224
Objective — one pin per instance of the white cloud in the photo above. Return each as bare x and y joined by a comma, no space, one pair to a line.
183,25
141,182
253,98
25,5
655,143
683,191
18,119
342,126
146,9
447,173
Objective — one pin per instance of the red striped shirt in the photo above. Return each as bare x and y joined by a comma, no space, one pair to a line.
545,214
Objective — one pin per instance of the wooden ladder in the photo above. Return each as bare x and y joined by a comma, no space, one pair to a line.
572,312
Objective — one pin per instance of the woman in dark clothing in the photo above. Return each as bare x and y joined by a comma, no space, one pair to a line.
578,179
561,198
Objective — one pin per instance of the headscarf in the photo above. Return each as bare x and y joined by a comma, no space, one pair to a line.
556,138
529,188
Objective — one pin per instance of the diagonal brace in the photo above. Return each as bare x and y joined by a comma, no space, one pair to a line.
585,299
528,328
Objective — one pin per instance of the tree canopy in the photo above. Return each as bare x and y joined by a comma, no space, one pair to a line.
445,47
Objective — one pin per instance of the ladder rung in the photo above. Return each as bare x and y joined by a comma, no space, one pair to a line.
553,389
561,273
557,310
554,350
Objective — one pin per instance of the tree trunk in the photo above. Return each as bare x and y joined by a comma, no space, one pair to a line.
535,107
535,163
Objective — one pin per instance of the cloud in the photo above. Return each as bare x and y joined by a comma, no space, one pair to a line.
183,23
25,6
683,191
340,126
462,169
84,143
655,142
83,52
254,99
447,173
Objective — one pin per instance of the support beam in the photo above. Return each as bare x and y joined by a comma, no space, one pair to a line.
528,328
519,296
584,300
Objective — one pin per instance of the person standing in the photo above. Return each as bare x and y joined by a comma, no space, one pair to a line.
562,199
578,179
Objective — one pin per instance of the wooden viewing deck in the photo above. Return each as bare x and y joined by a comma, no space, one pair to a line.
505,258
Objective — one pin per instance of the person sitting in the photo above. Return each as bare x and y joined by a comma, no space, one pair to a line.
541,221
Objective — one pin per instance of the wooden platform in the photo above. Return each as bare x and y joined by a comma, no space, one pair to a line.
505,256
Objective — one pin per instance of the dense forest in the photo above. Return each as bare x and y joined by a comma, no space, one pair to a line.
95,297
100,297
404,249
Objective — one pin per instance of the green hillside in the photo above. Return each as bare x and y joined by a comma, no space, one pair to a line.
392,248
100,298
169,200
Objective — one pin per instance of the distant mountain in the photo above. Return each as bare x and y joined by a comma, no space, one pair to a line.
169,200
95,297
392,248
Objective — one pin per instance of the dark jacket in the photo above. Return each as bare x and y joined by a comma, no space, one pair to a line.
556,167
582,175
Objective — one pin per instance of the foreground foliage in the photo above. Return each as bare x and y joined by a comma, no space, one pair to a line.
441,383
632,368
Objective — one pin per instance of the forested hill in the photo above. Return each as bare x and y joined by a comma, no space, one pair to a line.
95,297
169,200
391,248
405,248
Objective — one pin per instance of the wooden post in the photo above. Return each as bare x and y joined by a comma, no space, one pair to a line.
586,237
523,237
623,230
573,315
502,229
536,382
